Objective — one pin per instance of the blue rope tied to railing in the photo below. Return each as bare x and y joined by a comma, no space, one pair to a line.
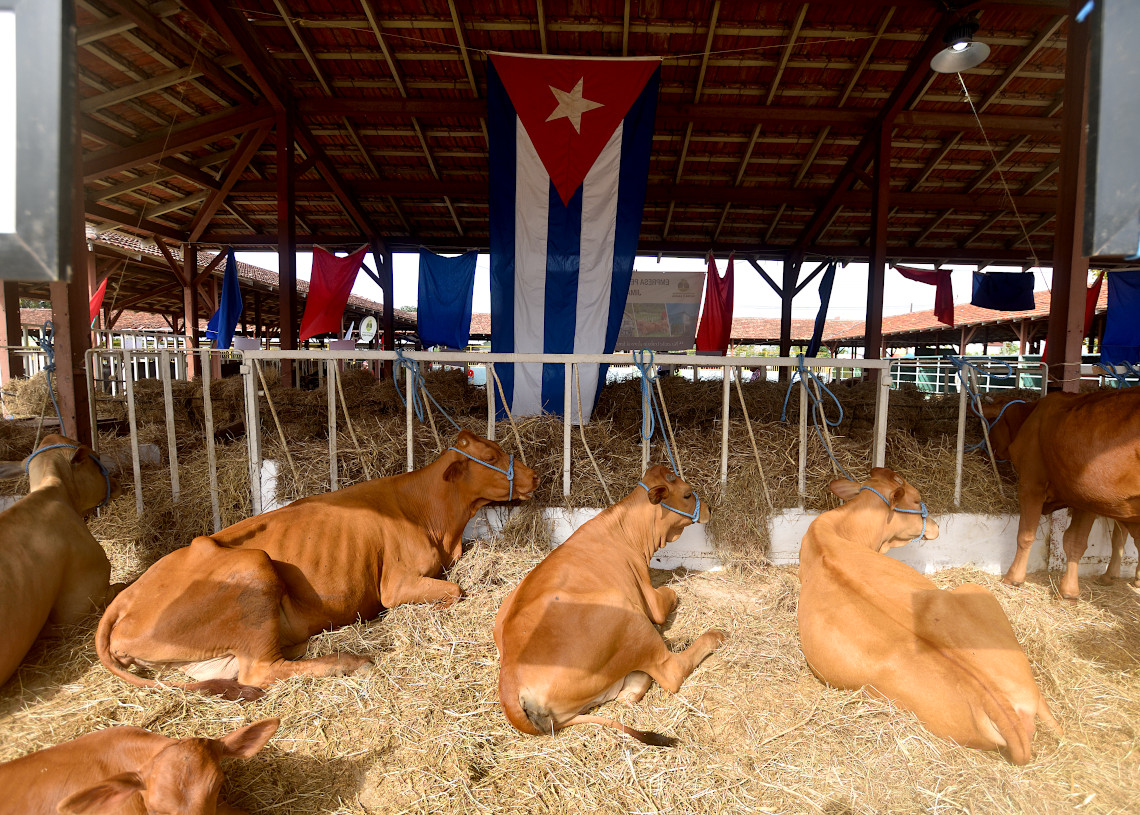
47,345
963,367
1121,378
651,410
815,401
418,386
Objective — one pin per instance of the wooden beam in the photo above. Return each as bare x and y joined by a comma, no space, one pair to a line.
247,147
286,239
876,273
457,23
767,279
787,53
132,220
1021,61
541,26
232,27
137,89
994,166
174,265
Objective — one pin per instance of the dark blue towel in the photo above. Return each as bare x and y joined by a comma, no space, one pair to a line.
225,319
1004,291
447,285
821,317
1121,341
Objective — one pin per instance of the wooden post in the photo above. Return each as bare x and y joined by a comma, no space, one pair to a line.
877,269
383,257
11,363
1070,266
286,240
792,264
190,308
258,329
212,290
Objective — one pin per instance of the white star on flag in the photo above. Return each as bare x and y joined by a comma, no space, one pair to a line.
571,105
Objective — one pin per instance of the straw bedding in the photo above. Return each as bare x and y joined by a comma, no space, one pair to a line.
422,731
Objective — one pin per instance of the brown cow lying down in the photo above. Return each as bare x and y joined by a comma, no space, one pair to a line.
1071,450
51,568
128,770
236,608
579,629
868,621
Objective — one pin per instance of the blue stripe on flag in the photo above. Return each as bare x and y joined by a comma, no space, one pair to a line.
501,124
564,240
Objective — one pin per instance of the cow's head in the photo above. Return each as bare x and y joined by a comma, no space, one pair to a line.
907,518
63,460
678,503
182,779
486,471
1006,419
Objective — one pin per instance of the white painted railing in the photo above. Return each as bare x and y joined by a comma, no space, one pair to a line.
329,359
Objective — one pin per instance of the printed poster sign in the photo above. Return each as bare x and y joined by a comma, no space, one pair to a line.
661,311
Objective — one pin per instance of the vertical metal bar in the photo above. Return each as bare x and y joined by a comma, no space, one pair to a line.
211,453
408,415
489,384
132,422
645,415
960,452
252,434
567,421
171,437
724,408
879,449
801,484
330,381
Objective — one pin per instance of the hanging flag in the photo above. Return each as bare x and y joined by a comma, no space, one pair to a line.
715,329
225,319
1092,294
329,287
569,155
824,301
446,288
97,300
1121,341
1003,291
943,290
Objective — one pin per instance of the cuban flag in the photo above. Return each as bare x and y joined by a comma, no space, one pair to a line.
569,152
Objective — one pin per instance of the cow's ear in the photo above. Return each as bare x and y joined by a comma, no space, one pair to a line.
11,469
843,489
81,455
245,742
455,470
658,494
109,795
898,495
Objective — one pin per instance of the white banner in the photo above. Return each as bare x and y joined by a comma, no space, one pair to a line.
661,311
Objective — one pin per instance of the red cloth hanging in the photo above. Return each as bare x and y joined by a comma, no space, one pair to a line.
715,329
943,289
97,301
329,287
1092,294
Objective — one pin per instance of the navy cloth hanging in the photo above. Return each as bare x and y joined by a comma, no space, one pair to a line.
824,299
1121,341
1004,291
446,287
224,321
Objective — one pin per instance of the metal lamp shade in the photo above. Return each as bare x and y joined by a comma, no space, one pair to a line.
951,61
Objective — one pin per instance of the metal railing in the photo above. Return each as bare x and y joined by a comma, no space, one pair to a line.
330,361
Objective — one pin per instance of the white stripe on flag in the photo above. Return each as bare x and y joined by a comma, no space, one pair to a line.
596,264
532,205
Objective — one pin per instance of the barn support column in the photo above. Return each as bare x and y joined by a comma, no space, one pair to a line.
877,269
258,329
287,239
11,363
212,291
1070,266
383,257
190,308
792,264
70,305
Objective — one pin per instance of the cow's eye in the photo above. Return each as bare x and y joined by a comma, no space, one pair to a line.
688,495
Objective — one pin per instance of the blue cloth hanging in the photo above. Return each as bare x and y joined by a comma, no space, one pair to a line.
1004,291
446,288
1121,341
224,321
824,299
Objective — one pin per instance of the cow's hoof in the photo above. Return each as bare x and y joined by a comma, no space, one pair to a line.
1013,584
1070,599
1106,580
1134,585
718,637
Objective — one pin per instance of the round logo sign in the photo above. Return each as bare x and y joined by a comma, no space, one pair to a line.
368,328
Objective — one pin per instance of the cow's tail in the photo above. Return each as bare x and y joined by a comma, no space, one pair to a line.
226,688
643,736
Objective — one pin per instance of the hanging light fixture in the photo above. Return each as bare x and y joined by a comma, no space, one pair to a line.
961,52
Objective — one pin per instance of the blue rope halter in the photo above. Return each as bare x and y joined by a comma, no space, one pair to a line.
418,386
804,374
509,472
1121,378
922,511
692,516
102,469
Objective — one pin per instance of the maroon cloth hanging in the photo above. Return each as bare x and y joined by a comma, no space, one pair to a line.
943,289
715,329
329,287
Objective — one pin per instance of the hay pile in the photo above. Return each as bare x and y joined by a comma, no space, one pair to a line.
422,731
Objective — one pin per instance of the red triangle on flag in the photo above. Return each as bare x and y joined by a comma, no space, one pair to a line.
571,106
